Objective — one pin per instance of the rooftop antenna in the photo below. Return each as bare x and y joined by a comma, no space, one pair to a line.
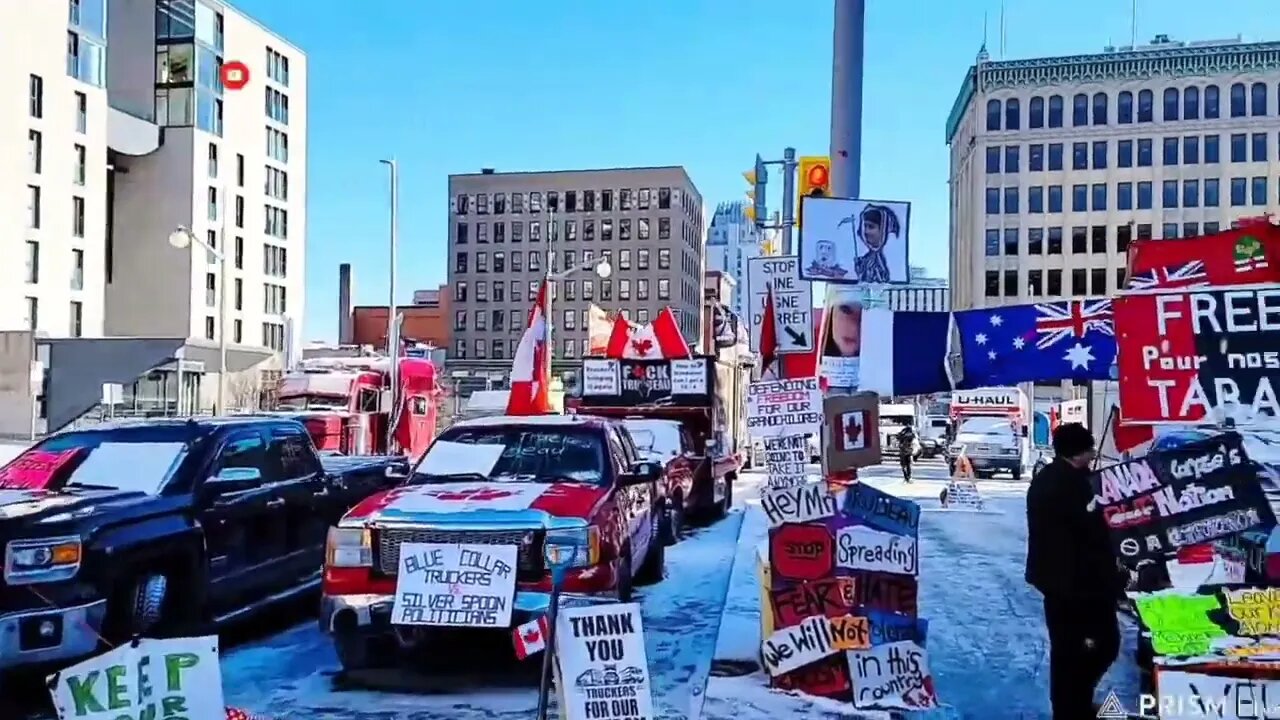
1003,34
1133,26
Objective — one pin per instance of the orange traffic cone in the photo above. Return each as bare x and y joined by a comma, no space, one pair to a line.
963,470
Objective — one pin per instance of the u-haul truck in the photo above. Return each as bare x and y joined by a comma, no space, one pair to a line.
992,428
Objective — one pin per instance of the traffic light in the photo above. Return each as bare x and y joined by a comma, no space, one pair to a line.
757,178
815,180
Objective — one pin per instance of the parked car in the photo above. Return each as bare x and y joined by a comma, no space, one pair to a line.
568,473
668,443
164,526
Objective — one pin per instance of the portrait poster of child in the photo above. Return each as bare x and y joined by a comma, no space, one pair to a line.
846,241
842,351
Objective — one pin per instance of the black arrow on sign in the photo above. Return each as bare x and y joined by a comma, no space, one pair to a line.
796,336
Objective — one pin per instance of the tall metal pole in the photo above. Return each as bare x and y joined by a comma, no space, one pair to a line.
550,283
393,351
788,198
846,97
223,276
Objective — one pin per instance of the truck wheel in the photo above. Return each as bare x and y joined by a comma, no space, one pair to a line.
722,508
655,560
674,520
148,602
1017,473
624,589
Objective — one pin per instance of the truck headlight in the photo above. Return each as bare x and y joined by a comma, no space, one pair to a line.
348,548
42,560
1010,451
578,547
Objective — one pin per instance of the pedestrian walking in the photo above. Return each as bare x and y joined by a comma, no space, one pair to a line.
906,450
1070,561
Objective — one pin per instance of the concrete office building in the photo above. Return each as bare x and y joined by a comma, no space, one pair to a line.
732,240
647,221
1058,163
129,134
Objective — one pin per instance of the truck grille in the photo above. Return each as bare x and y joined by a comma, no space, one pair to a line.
528,561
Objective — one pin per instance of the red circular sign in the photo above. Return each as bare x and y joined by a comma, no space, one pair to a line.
818,175
235,75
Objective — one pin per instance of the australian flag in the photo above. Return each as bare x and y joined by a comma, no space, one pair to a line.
1070,340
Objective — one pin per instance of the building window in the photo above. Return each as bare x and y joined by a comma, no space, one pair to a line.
1012,114
1011,283
1055,157
1079,110
209,327
77,318
1211,102
1211,192
993,283
1190,193
1169,195
237,292
1100,155
78,170
1238,192
77,269
35,96
1211,149
1124,108
33,262
1080,156
1035,199
1079,198
1144,195
82,113
1010,242
1055,111
993,115
1055,198
1098,201
1238,100
1258,191
1171,105
1258,99
1191,150
1124,196
33,207
1100,109
1079,240
1035,283
1191,103
35,151
33,313
1146,100
1011,201
1035,113
1171,151
993,242
77,217
1035,157
664,258
1011,159
1258,143
1144,152
1035,241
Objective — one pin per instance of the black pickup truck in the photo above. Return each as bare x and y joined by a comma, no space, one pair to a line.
166,526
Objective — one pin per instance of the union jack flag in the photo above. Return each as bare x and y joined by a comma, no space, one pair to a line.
1188,275
1074,318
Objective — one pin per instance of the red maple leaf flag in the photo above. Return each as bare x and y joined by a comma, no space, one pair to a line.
530,638
530,371
768,332
658,340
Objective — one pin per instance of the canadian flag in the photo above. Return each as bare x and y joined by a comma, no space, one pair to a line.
768,333
530,372
658,340
598,330
530,638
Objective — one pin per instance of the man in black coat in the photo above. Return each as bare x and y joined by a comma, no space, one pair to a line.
1070,561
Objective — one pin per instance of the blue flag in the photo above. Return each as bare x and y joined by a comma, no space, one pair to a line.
904,353
1069,340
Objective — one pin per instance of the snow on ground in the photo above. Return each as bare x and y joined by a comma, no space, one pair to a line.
987,644
292,673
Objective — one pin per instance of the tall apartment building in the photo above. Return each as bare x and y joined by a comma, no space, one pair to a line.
1058,163
732,240
647,221
127,134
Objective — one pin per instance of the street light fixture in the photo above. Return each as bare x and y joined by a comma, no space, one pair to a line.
603,271
182,238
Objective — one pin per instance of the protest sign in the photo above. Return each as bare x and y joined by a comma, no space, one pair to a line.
962,495
1182,496
1179,624
785,459
827,678
601,655
850,632
859,547
1185,356
850,432
801,552
895,675
601,377
777,408
882,511
1262,649
891,627
177,677
1187,695
34,469
798,645
799,504
830,597
455,585
1256,610
883,591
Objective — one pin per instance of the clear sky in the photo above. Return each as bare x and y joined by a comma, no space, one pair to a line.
451,87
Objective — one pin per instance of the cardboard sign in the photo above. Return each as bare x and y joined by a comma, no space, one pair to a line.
601,377
850,632
892,676
850,432
798,553
830,597
891,627
455,585
603,665
1187,695
1179,624
1178,497
1257,610
785,459
647,382
859,547
157,678
799,504
777,408
828,678
797,646
963,495
885,592
882,511
34,469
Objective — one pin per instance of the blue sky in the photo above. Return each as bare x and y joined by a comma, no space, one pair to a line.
450,87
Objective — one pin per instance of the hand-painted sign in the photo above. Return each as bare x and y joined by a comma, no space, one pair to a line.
895,675
792,302
799,504
859,547
1180,624
882,511
801,552
455,585
777,408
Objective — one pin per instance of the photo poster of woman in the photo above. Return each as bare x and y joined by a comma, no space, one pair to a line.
846,241
842,338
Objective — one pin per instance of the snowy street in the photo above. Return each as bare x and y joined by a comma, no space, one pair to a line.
986,643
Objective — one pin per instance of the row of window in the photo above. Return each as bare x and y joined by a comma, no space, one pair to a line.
277,106
1188,150
1177,104
514,320
35,103
75,316
520,290
515,230
277,144
33,266
35,211
568,258
1048,283
574,201
498,349
1242,192
274,297
272,332
1094,239
35,157
277,67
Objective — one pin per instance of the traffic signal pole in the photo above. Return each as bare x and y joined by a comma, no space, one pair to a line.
788,198
848,46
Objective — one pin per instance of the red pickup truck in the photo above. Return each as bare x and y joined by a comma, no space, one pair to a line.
578,481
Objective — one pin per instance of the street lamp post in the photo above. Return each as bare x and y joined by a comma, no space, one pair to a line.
182,238
393,351
603,271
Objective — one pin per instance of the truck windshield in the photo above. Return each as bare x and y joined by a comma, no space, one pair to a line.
533,455
656,437
987,426
312,402
897,421
140,459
